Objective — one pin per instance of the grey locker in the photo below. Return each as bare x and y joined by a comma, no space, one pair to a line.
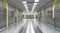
2,17
57,17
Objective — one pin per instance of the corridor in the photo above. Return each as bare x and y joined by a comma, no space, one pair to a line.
29,16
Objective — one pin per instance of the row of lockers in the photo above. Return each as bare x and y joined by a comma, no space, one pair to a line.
11,17
53,21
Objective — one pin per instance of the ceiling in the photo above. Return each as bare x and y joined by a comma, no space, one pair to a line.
19,4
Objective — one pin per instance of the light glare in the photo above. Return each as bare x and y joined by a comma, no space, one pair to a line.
36,0
26,6
30,28
24,2
35,4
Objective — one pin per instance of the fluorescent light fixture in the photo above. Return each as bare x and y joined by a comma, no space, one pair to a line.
35,4
26,5
36,0
24,2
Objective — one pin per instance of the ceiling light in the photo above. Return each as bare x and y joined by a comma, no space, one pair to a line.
36,0
35,4
24,2
26,7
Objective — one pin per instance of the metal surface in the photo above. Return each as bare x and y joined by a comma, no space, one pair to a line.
18,4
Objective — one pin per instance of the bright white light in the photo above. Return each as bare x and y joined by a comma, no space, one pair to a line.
35,4
30,28
24,2
26,6
36,0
